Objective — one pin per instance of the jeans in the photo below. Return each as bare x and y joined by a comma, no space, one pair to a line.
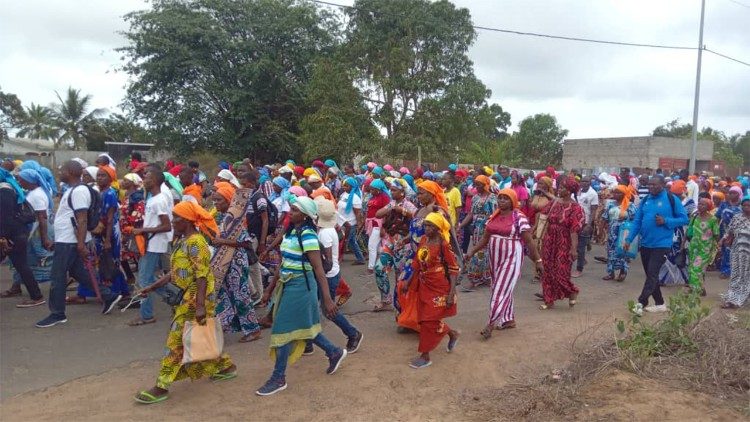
339,319
146,277
67,260
19,258
353,245
282,355
653,259
583,242
466,240
373,245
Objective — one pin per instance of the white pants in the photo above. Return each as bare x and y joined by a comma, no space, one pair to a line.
373,245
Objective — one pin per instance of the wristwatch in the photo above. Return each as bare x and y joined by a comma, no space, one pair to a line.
538,260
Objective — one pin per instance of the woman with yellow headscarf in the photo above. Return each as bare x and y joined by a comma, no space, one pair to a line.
190,272
433,282
617,212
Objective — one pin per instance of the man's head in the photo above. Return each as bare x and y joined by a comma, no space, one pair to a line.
194,166
585,184
656,184
684,175
504,172
70,172
249,179
153,178
447,180
186,176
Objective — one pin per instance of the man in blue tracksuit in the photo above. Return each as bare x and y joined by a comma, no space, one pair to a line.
658,215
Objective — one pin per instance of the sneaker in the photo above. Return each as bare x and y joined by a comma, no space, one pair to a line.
420,363
637,309
272,386
51,321
30,303
656,308
110,304
335,361
576,274
309,350
352,345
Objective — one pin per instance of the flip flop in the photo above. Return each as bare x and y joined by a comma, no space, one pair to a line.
150,398
138,322
224,377
382,308
75,300
452,344
250,337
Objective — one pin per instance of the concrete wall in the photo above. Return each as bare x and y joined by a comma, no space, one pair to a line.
640,152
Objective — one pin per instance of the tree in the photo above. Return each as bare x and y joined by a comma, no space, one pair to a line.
408,53
11,113
741,146
340,126
224,75
38,122
724,147
74,118
538,142
121,128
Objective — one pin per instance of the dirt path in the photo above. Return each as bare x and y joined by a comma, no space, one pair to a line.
373,384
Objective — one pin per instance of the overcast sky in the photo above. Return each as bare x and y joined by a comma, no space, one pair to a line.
593,90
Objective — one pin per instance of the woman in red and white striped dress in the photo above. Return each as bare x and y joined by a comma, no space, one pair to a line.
506,233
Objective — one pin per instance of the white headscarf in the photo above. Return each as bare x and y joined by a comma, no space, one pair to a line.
81,161
111,161
136,179
92,171
227,175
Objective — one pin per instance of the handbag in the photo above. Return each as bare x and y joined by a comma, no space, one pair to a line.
625,228
201,342
171,294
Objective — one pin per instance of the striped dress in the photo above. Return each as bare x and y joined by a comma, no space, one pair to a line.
506,256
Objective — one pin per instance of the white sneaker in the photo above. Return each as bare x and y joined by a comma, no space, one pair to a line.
637,309
656,308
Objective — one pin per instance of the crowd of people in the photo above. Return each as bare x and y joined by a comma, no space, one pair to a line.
270,239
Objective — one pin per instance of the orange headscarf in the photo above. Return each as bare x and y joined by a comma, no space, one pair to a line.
219,185
197,215
110,172
719,195
483,180
709,203
510,193
546,180
678,187
324,192
625,197
227,191
193,190
436,191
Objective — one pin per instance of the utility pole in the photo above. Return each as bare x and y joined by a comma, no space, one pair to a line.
694,147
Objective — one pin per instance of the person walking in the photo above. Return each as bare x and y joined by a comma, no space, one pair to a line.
738,239
73,247
483,205
619,210
703,235
656,219
588,199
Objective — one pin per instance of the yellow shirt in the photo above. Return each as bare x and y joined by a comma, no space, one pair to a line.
453,197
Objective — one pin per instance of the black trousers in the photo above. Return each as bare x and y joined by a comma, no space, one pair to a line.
18,257
652,259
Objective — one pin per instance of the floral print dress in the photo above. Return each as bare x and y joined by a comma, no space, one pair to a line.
482,207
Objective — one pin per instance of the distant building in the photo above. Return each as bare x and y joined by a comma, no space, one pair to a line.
25,149
641,154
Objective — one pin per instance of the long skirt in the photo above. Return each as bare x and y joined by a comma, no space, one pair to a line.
296,313
432,307
234,306
739,283
506,257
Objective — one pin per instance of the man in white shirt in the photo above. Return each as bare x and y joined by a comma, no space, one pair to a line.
329,238
157,229
72,248
693,190
588,199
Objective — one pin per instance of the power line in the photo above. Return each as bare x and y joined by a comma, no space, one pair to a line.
726,57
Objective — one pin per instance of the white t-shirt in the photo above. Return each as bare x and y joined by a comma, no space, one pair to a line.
281,205
65,232
587,200
329,238
157,205
38,200
347,217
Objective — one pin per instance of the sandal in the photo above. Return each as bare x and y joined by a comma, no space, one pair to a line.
486,333
140,321
224,377
10,293
572,300
546,306
621,277
506,325
728,305
382,307
250,337
609,277
75,300
144,397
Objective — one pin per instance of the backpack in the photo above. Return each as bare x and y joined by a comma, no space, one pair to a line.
93,213
273,213
327,265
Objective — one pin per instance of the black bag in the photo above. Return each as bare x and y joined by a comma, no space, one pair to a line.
254,221
171,294
93,213
24,213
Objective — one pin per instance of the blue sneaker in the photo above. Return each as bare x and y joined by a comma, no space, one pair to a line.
335,361
51,321
272,386
420,363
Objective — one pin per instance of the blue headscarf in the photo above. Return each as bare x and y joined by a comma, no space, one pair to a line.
330,163
8,178
379,184
452,167
33,176
284,185
355,191
44,172
224,165
410,180
428,175
378,171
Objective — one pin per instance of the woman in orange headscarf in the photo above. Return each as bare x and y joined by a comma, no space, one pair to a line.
617,212
483,205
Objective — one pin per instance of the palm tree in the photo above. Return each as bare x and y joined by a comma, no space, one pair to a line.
73,117
38,123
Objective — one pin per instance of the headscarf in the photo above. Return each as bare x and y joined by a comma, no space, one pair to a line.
483,180
708,203
299,170
436,191
487,170
324,192
33,176
418,172
410,180
379,184
453,167
462,174
228,176
371,165
218,185
8,178
388,167
297,191
313,178
194,213
227,191
224,165
173,182
44,172
175,171
546,181
110,172
428,175
736,189
306,205
719,195
625,197
283,184
510,193
678,187
395,174
80,161
404,170
136,179
92,171
140,167
443,226
309,172
330,163
572,185
111,162
355,191
378,171
551,173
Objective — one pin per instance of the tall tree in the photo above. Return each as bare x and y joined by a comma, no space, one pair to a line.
38,122
538,142
407,52
122,128
11,113
224,75
74,118
724,149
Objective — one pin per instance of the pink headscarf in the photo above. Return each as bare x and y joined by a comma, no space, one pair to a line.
297,191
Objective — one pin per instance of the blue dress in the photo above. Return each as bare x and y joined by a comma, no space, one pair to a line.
726,213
